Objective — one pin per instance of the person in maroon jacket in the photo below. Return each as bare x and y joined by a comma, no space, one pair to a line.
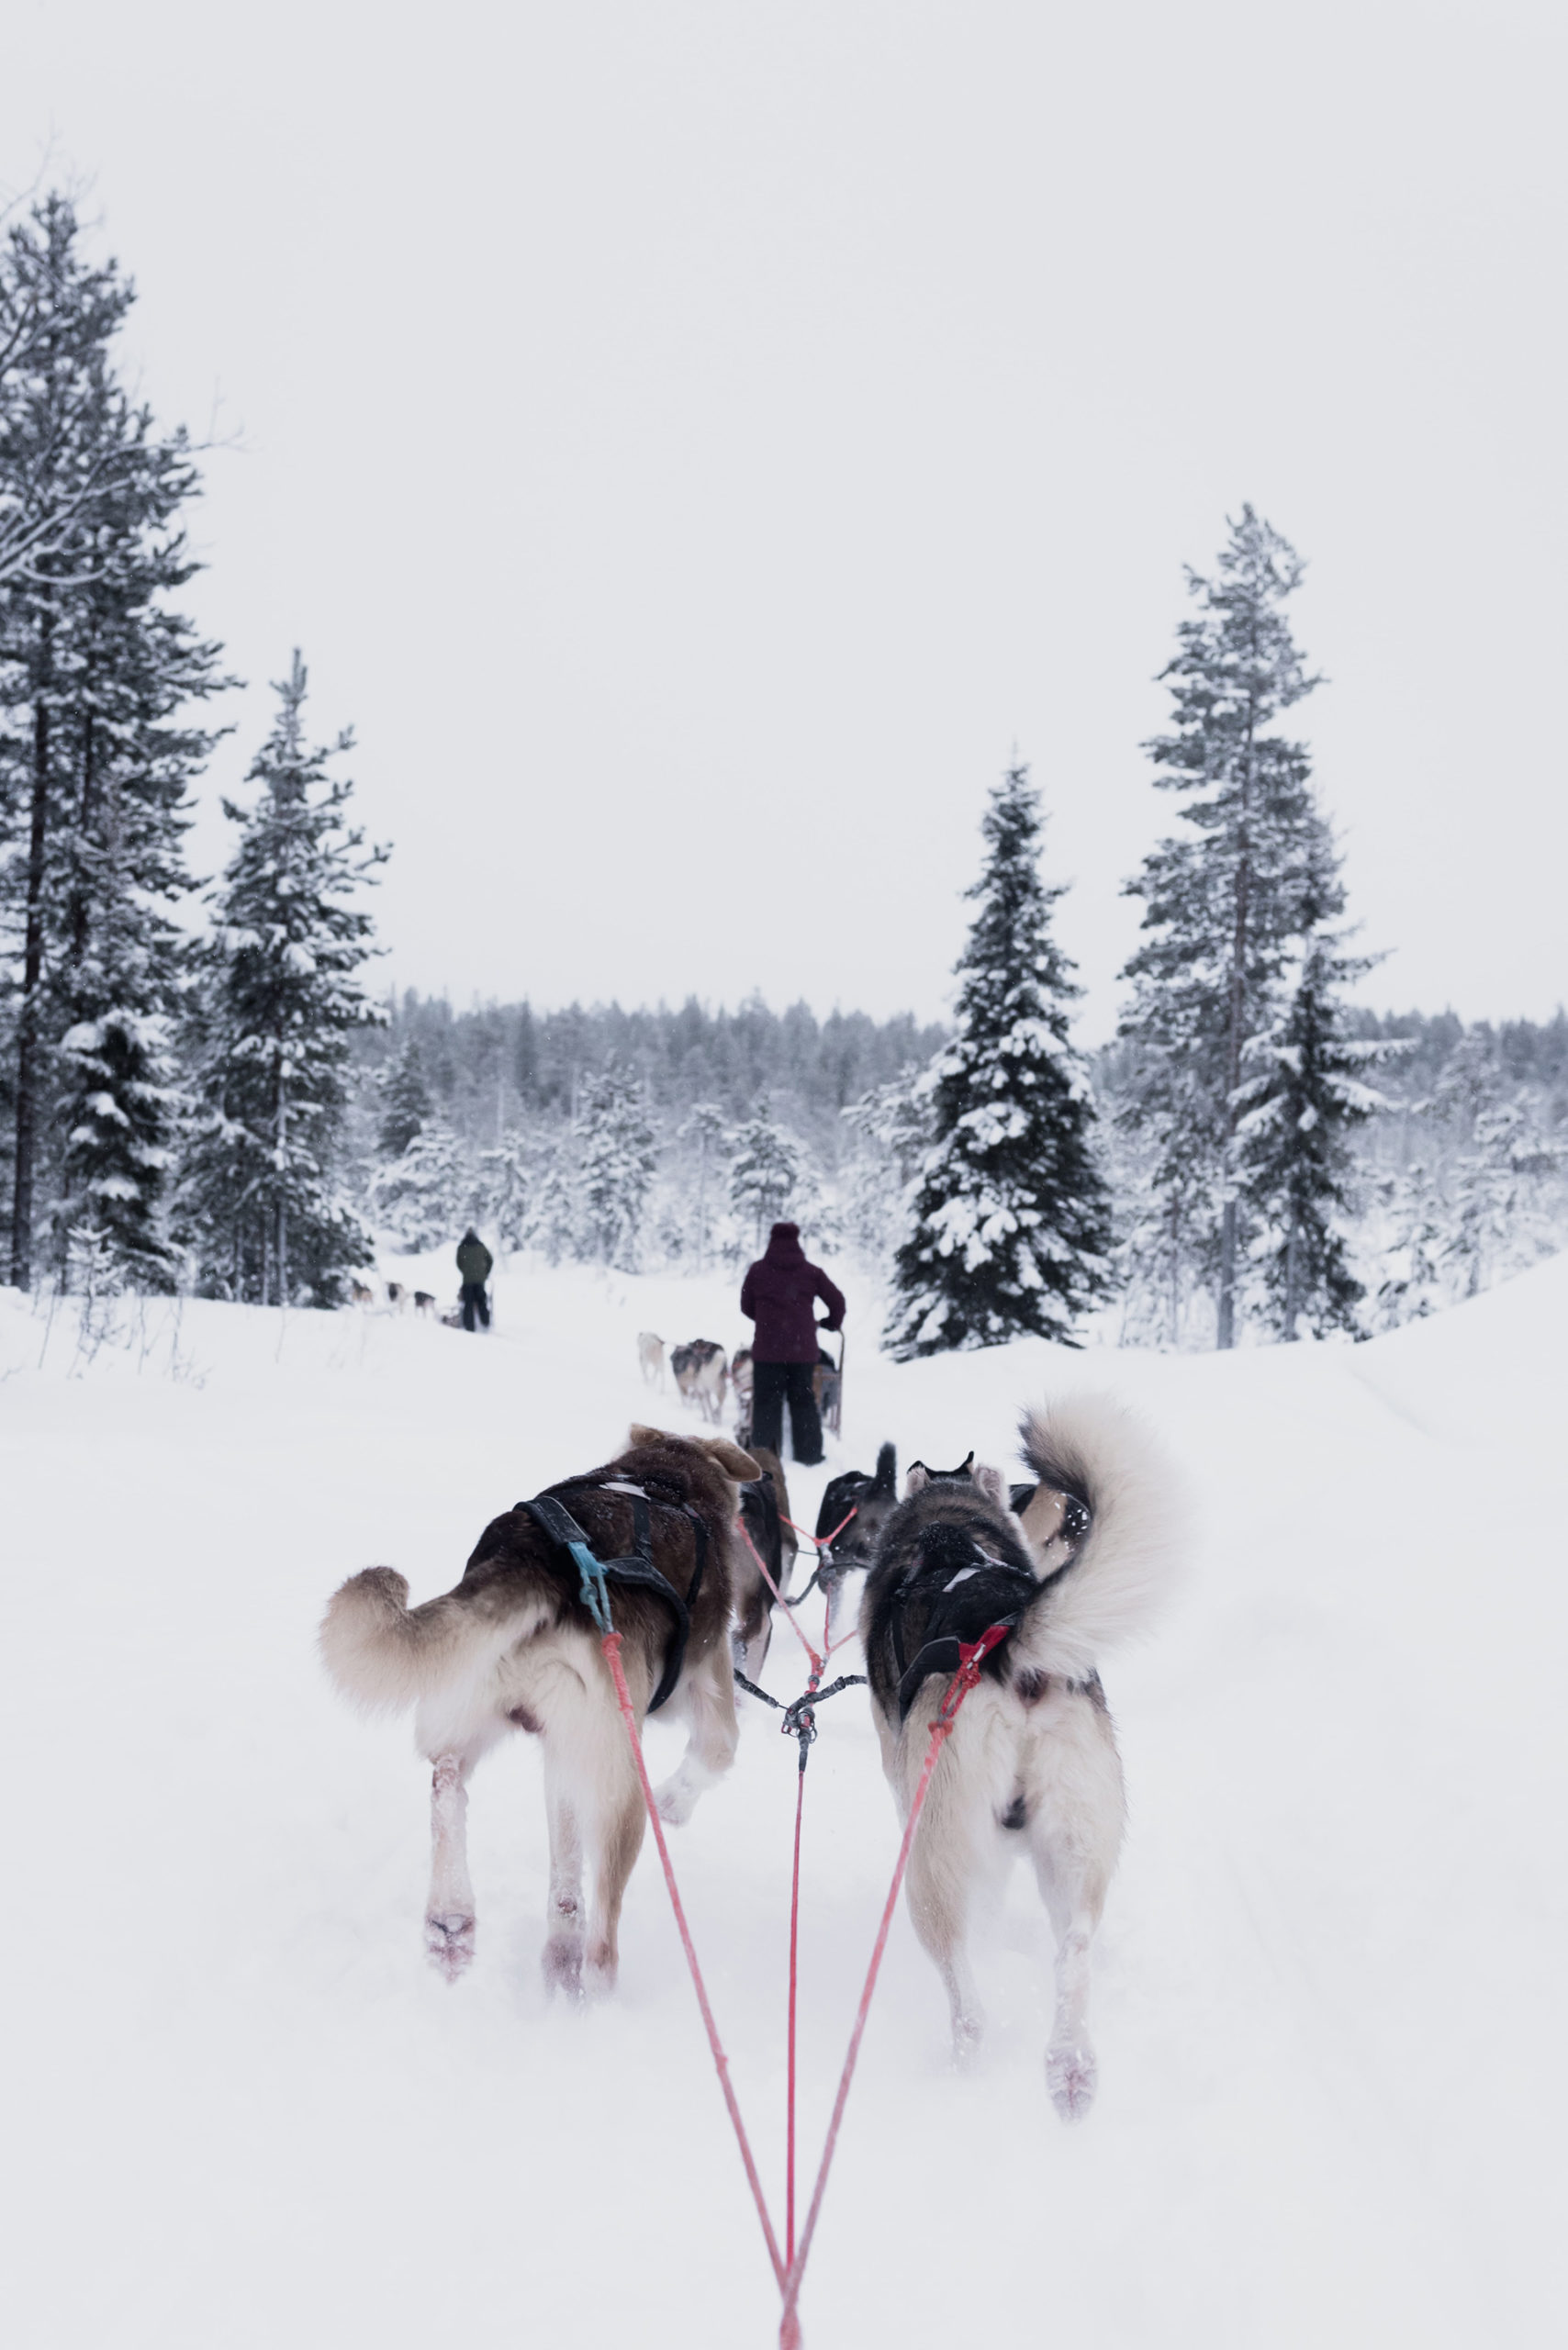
778,1295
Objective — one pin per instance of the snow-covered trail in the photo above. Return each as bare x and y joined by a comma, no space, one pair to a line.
1328,2002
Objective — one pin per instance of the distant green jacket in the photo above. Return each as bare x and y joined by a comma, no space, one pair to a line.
474,1262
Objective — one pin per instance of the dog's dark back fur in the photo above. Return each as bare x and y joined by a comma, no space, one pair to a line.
515,1545
873,1499
925,1542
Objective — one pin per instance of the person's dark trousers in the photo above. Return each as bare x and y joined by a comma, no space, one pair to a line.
772,1383
476,1301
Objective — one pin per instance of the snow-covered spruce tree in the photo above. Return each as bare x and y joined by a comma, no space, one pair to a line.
1304,1094
1410,1265
764,1172
121,872
1012,1229
406,1103
504,1184
422,1197
94,767
1507,1211
119,1096
1221,901
281,994
892,1127
703,1131
619,1157
1155,1272
554,1223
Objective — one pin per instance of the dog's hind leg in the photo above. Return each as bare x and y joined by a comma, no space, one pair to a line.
948,1859
619,1840
1076,1804
562,1956
449,1912
708,1702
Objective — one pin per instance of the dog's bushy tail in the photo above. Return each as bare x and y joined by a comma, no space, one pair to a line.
1094,1449
385,1655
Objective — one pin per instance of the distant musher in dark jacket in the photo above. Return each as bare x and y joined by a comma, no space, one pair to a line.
776,1294
474,1262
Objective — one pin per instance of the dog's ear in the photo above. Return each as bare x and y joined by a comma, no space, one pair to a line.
730,1458
886,1480
990,1483
638,1435
917,1479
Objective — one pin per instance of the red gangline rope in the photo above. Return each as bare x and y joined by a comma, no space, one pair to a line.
611,1644
821,1541
817,1661
794,1948
818,1666
963,1681
790,2271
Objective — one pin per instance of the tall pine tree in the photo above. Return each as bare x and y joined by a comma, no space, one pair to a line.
1011,1216
765,1171
94,765
1304,1094
282,996
618,1153
1223,901
406,1103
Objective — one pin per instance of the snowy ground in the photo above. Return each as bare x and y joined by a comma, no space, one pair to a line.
243,2112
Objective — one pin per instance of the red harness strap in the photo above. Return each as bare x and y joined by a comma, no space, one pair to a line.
789,2270
612,1647
972,1657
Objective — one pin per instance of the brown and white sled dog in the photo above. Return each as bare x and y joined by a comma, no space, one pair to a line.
513,1648
1032,1765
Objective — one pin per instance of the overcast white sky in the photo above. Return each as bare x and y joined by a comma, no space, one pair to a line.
693,440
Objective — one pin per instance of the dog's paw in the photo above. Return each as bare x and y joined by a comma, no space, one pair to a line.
599,1972
675,1800
449,1943
968,2031
1073,2077
560,1963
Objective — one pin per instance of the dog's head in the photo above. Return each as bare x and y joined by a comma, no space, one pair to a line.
987,1481
737,1467
872,1499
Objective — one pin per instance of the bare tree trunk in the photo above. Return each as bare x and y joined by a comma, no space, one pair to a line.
79,908
1292,1277
280,1133
1225,1335
28,1025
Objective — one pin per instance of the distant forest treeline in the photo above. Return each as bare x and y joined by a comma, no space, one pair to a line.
489,1066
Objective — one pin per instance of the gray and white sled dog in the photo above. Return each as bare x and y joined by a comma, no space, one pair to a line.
700,1373
513,1648
1032,1764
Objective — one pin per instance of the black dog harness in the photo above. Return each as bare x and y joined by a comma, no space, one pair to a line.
636,1567
968,1595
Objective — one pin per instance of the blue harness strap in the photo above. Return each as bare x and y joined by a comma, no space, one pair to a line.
637,1568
